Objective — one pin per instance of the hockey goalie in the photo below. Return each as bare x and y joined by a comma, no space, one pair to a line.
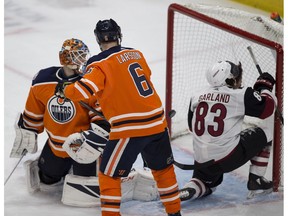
83,191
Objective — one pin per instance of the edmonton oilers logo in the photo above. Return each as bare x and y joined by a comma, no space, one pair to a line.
60,110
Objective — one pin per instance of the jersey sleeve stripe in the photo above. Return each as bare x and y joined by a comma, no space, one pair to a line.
138,127
269,108
96,89
139,120
27,117
141,114
86,87
81,91
30,124
55,137
33,114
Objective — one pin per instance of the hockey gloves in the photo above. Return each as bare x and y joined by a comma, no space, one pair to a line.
25,140
264,81
85,147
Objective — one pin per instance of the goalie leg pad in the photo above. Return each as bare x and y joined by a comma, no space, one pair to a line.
127,186
32,175
81,191
33,181
145,187
139,185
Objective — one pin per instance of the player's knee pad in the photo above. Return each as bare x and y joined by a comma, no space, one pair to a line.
267,125
139,185
81,191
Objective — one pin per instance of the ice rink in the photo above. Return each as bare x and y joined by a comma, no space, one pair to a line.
33,35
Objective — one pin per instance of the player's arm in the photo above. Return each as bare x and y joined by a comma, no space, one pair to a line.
260,101
83,89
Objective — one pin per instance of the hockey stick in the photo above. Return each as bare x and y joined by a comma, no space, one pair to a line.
193,166
279,114
92,109
171,114
23,154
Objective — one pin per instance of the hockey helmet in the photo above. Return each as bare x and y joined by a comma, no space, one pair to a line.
221,71
107,31
74,54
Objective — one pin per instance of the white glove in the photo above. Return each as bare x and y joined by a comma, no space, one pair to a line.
24,140
85,147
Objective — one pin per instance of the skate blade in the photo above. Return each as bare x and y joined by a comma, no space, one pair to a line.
257,193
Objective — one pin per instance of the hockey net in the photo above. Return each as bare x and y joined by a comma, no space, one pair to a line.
200,35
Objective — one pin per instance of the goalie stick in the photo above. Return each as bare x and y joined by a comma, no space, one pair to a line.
23,154
279,114
92,109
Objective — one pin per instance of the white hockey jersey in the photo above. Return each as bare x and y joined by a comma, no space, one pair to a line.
216,115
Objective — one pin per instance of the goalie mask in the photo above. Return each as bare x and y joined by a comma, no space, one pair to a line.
107,31
224,73
74,54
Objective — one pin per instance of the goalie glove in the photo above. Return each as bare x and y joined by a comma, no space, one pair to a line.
85,147
25,140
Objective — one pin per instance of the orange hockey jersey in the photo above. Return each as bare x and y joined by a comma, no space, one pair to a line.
59,118
120,78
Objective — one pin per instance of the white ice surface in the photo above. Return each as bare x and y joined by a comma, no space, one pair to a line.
33,34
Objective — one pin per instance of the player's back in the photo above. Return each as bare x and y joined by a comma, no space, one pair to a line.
217,121
126,94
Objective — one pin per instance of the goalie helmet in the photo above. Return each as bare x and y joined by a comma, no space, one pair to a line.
107,31
74,54
223,71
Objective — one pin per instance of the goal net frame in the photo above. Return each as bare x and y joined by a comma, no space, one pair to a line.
278,127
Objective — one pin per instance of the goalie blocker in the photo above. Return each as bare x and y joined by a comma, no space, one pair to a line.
84,191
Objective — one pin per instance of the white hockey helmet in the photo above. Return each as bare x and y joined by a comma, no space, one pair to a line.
219,72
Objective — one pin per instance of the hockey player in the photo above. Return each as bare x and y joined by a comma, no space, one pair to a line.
215,118
60,118
120,78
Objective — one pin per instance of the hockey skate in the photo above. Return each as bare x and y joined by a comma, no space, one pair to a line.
258,186
186,193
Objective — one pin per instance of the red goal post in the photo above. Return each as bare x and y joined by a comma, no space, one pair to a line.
198,36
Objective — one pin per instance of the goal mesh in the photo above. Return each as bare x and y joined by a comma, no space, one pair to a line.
200,35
